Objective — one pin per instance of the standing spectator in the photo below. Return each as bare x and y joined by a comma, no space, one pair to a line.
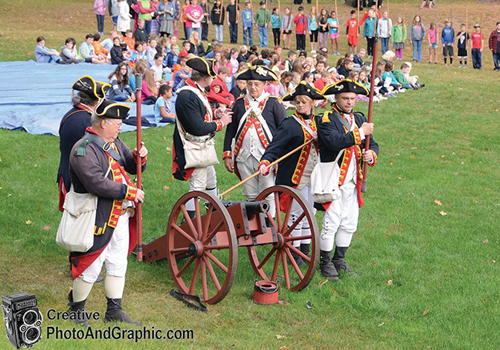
166,12
333,25
477,39
384,30
300,21
113,11
430,3
369,32
323,28
177,16
398,35
123,23
494,45
155,21
44,54
146,10
286,27
204,22
217,16
247,21
100,7
276,25
417,34
184,18
194,16
448,40
352,33
262,18
233,13
462,42
312,25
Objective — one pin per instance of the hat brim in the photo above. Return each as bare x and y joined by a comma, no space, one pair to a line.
345,85
303,89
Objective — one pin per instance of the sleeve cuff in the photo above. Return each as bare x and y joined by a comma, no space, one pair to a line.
264,162
131,193
143,160
219,124
372,164
362,134
227,154
357,136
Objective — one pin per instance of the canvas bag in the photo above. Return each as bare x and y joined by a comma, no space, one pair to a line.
76,229
325,181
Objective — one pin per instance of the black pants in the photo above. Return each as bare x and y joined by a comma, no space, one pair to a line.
276,35
204,31
369,46
301,41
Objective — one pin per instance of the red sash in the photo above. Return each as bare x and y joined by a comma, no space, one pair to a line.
252,121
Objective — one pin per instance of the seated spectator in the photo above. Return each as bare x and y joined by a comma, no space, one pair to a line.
286,78
401,78
151,51
345,67
129,40
98,48
120,90
69,54
239,89
295,80
186,46
308,77
389,78
235,64
137,54
182,74
116,52
88,53
108,43
219,93
326,79
149,89
140,69
172,57
140,33
320,68
44,54
291,57
217,47
163,105
157,67
358,59
196,46
243,54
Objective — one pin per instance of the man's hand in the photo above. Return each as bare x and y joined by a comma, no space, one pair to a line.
264,170
226,117
367,156
228,162
367,128
139,198
143,152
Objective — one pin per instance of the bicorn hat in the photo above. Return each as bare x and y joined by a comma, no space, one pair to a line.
304,89
112,110
261,73
88,85
202,65
345,85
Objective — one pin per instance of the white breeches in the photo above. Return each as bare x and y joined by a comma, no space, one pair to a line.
302,228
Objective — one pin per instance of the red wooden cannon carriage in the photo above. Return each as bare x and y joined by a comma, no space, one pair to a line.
205,247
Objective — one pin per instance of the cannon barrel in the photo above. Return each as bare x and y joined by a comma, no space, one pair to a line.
251,207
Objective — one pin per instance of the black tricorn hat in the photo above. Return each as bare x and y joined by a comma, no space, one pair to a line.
202,65
345,85
88,85
112,110
261,73
304,89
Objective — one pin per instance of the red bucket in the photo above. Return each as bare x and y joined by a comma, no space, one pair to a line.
265,292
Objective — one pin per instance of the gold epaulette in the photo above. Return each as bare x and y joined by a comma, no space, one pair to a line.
326,118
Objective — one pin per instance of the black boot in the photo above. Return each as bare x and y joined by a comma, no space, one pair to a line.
114,312
339,259
76,310
298,259
326,266
306,249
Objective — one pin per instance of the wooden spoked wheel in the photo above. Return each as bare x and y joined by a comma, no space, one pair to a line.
271,261
202,246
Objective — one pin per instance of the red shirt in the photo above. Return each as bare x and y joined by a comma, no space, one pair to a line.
183,53
301,22
319,84
352,25
476,40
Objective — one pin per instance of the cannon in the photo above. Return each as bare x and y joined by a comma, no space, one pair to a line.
202,248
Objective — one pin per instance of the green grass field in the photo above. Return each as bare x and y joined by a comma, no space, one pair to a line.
427,280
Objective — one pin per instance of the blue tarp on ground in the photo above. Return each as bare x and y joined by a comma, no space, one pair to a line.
35,96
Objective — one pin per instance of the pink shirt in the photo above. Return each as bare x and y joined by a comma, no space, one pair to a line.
273,89
100,7
433,36
196,12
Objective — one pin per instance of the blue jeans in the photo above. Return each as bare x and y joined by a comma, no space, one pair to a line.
417,50
121,97
100,24
219,32
190,30
496,59
262,36
233,32
147,27
385,45
248,32
477,59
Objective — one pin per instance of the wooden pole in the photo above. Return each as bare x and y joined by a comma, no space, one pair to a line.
337,14
220,14
404,20
388,16
358,29
270,165
138,207
466,29
317,7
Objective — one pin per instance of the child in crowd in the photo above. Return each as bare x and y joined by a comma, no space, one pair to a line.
413,79
149,89
120,90
333,24
233,12
326,79
172,57
448,40
369,32
276,25
116,52
398,35
384,29
217,16
286,26
181,75
69,53
98,48
140,33
219,93
300,21
285,79
235,64
312,25
477,39
163,106
239,89
389,78
358,59
157,67
243,54
462,43
88,53
186,46
432,37
151,51
140,69
308,78
206,19
138,54
352,32
345,67
291,57
401,77
323,28
417,34
295,80
247,21
129,40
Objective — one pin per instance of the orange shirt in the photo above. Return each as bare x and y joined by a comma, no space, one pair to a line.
130,42
183,12
99,49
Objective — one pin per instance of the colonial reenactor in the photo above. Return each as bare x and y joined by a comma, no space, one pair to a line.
256,118
74,123
194,149
99,164
343,131
295,170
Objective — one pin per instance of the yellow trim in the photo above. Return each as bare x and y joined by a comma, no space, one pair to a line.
326,117
343,81
108,107
88,76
